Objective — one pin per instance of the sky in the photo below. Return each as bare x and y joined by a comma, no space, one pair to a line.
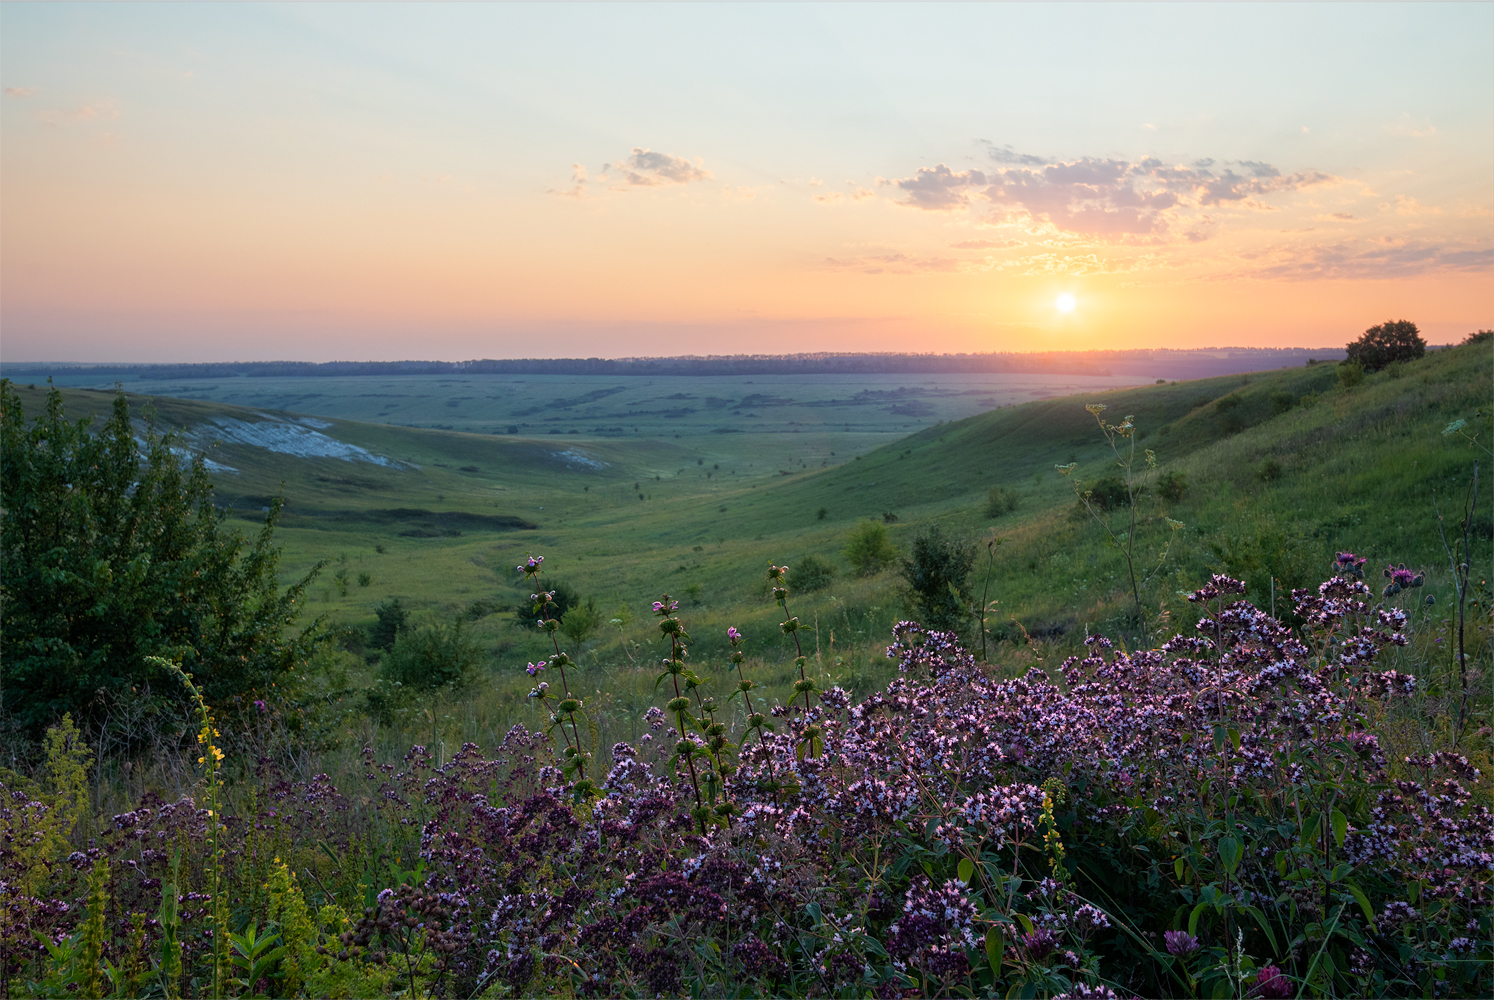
214,182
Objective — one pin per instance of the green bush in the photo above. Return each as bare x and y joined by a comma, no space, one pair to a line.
937,569
393,618
112,551
868,549
813,573
1350,374
432,656
1000,501
1172,487
1109,493
1281,401
580,620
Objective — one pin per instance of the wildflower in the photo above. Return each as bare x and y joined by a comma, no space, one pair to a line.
1180,943
530,565
1269,982
666,606
260,704
733,636
535,668
1039,942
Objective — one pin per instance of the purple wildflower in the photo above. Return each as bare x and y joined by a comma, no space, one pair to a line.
733,635
1269,982
535,668
1180,943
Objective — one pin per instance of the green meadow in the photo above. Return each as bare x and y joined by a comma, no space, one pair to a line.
1269,475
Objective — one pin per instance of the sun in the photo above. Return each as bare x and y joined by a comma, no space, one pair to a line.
1065,303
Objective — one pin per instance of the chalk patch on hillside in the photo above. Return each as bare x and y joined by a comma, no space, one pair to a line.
289,439
578,459
319,424
207,463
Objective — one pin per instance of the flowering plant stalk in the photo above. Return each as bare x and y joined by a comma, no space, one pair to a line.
810,740
212,762
569,705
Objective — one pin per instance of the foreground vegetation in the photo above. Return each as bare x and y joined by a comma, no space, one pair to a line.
1216,817
1118,787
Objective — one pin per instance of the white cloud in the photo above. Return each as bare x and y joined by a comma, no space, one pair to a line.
647,168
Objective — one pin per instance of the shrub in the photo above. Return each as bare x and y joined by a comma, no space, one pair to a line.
580,620
937,569
432,656
1228,403
1479,337
813,573
1350,374
111,551
393,618
1109,493
868,548
1172,487
1270,471
1396,340
1281,401
1000,501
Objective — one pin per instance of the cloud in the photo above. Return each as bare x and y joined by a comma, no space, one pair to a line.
1106,198
104,110
20,91
986,244
647,168
939,188
577,190
1371,259
894,263
1406,205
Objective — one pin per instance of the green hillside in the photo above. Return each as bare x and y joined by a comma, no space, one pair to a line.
1281,470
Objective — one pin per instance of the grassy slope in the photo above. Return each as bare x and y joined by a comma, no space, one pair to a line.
1357,471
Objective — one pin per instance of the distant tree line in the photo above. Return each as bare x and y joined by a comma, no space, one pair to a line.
1190,363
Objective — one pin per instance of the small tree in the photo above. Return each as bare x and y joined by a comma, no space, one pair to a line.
1396,340
937,569
868,548
393,618
111,551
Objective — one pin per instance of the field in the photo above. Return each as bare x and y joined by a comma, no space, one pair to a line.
1262,477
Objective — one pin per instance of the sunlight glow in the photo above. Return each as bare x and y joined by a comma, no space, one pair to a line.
1065,303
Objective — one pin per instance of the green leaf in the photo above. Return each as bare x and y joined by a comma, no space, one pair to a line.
1309,830
1177,867
1230,853
966,870
1025,921
928,869
1234,738
1260,918
1340,827
995,948
1364,903
1193,918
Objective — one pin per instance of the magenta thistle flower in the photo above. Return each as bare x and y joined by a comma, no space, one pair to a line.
1180,943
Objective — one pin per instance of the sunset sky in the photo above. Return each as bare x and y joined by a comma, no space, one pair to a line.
201,182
